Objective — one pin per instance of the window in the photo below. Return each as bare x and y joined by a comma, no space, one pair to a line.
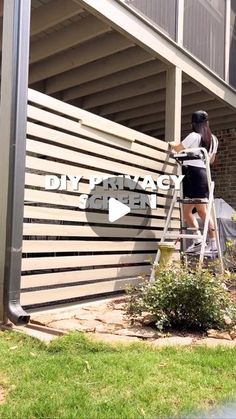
160,12
204,32
232,52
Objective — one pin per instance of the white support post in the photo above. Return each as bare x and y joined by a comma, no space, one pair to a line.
173,104
173,111
227,38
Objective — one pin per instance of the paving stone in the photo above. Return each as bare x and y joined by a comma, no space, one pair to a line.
69,324
85,316
46,319
114,318
138,331
120,306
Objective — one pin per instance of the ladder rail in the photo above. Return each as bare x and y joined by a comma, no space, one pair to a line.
206,224
168,220
220,257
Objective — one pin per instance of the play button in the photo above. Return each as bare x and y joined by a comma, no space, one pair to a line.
116,210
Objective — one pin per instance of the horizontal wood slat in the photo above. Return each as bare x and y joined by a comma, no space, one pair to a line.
46,197
66,293
46,246
94,135
42,280
72,111
95,161
58,230
29,264
44,213
32,179
90,146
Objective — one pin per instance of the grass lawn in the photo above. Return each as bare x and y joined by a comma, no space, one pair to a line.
77,378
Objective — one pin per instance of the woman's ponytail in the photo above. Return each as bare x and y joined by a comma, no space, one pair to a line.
206,135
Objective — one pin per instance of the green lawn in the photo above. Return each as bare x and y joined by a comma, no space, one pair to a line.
76,378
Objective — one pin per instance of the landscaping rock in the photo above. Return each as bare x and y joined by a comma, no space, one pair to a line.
138,331
218,334
232,334
148,318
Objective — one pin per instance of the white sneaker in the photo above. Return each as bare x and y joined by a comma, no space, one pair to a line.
195,247
209,251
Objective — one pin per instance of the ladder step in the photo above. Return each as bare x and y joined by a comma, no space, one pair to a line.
187,156
182,236
191,229
192,201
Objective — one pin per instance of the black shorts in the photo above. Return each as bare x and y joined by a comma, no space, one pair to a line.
195,182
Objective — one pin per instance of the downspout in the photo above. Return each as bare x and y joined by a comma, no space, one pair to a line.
13,117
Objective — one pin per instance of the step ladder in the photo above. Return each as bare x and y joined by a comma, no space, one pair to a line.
185,155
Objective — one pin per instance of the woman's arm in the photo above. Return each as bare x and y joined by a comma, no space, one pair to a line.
176,146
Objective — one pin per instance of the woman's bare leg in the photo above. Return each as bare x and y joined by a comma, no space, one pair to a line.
190,219
202,210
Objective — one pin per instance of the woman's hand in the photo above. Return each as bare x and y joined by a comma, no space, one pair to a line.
176,146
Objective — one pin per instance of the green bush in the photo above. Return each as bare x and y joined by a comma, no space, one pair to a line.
183,298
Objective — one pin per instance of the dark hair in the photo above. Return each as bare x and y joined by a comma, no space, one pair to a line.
204,130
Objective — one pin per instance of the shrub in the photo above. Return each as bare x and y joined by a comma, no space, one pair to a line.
179,297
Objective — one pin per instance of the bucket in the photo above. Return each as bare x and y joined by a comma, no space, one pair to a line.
167,250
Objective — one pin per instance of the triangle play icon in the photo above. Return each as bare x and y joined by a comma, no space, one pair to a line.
116,210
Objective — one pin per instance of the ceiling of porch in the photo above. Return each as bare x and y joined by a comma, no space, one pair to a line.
81,60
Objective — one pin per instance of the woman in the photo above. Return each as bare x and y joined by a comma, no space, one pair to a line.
195,184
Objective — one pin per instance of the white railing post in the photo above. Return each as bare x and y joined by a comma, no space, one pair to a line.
180,22
227,38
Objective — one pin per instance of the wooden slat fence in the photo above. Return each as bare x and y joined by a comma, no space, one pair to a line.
64,259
